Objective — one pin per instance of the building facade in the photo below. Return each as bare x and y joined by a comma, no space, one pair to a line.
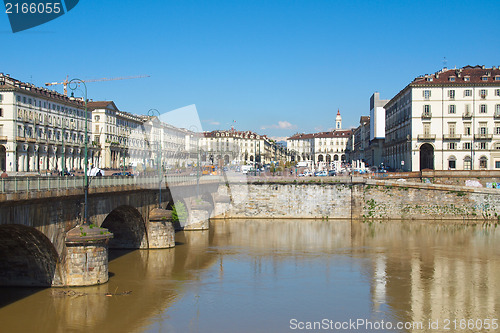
321,147
369,137
449,120
225,147
40,130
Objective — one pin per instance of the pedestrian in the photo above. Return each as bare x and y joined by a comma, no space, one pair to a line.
4,174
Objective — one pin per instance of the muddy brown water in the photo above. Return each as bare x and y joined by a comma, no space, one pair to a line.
282,276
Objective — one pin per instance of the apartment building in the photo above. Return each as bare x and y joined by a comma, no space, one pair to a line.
449,120
40,129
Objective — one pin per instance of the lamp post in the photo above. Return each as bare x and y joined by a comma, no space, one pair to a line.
151,113
73,84
194,130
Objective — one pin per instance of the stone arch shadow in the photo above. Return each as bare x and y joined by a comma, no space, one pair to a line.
128,228
208,197
27,257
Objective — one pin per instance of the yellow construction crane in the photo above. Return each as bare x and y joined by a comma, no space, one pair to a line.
65,82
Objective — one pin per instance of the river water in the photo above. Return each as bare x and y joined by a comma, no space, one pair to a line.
283,275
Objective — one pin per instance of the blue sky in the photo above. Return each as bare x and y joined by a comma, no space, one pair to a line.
275,67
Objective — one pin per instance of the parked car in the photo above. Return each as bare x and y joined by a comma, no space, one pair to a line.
332,173
321,174
122,174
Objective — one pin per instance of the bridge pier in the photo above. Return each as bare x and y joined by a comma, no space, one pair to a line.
86,260
160,229
222,204
198,215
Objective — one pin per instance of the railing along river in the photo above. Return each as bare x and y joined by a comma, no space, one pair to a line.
26,184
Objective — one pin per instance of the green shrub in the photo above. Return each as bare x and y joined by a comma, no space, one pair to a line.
179,212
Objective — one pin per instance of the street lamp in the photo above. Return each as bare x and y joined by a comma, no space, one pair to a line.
151,113
73,84
194,130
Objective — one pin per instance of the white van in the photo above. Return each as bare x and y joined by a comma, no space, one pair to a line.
245,168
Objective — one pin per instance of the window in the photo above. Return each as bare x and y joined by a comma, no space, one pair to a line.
467,163
483,130
467,130
427,94
483,93
452,79
451,128
427,129
467,110
1,112
497,129
427,110
466,78
483,162
483,108
1,98
467,145
451,94
497,110
497,92
452,146
497,164
497,146
484,78
451,108
483,146
452,163
467,92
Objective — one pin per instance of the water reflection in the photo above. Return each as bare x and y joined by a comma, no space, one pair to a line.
254,276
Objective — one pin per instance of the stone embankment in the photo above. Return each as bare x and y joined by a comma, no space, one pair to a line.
360,198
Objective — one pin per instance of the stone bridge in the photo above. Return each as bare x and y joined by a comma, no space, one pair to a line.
43,238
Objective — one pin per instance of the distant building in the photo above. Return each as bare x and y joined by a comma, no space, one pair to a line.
320,147
239,147
367,141
375,151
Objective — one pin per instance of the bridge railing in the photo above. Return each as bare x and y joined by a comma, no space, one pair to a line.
28,184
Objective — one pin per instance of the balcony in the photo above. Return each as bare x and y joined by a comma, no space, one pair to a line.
20,138
426,137
426,115
3,138
467,115
483,136
453,136
496,115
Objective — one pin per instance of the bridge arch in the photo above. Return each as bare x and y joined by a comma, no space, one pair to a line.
27,257
128,228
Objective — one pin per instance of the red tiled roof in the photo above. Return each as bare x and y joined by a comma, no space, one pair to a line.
232,133
99,105
475,74
9,83
333,134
